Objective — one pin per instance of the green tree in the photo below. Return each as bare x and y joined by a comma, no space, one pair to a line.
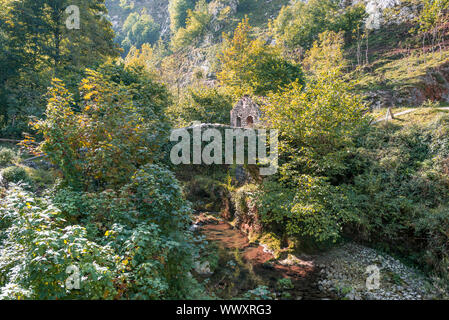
144,58
431,18
208,105
39,45
117,127
196,24
8,68
38,28
252,67
300,23
326,55
317,125
137,30
178,13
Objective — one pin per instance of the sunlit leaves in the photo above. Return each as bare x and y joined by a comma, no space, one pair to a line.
114,132
250,66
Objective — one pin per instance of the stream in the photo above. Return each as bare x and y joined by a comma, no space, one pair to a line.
242,266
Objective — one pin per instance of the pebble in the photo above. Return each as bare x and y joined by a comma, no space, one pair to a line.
346,268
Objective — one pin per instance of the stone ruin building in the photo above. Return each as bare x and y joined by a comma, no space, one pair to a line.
245,114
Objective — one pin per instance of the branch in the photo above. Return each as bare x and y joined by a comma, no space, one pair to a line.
10,140
34,158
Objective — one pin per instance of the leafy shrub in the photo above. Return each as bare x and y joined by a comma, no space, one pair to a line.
146,223
300,23
38,247
118,127
313,210
399,192
15,174
134,242
204,104
77,205
159,265
159,218
6,156
275,205
155,193
250,66
285,284
152,196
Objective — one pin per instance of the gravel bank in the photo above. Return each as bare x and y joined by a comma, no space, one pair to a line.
350,272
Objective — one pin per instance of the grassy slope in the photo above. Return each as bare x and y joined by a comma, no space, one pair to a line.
419,117
397,60
397,72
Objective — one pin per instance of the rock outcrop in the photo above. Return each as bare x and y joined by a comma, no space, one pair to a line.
157,9
433,86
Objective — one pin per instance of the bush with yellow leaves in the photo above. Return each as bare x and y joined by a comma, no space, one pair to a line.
117,126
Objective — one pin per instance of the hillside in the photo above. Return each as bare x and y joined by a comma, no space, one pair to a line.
399,70
199,52
119,11
224,149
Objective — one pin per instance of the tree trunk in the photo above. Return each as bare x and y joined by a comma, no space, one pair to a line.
56,17
367,48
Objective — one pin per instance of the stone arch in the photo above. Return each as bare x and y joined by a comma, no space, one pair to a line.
238,122
250,121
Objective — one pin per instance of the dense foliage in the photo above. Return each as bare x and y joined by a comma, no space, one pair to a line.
178,10
102,140
118,216
317,126
38,247
36,45
195,25
123,244
432,21
92,188
399,191
207,105
300,23
137,30
250,66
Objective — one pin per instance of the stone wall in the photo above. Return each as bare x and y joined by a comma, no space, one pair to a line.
246,113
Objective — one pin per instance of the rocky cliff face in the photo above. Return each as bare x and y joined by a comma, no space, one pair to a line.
380,12
157,9
434,86
200,57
